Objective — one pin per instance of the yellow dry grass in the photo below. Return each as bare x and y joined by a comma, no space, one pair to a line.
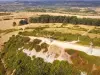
29,14
55,49
8,24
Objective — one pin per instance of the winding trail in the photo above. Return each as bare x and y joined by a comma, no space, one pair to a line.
68,45
62,44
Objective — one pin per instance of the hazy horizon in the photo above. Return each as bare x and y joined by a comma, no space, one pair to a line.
49,0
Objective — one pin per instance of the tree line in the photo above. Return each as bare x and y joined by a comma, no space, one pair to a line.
64,19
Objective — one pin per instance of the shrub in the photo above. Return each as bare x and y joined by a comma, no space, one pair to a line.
37,48
14,24
44,45
36,41
23,22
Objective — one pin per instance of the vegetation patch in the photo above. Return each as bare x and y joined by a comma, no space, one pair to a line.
84,40
65,19
34,44
23,22
44,46
8,31
83,61
3,13
2,68
70,51
16,59
37,48
96,31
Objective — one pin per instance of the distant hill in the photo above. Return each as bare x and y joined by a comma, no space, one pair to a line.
22,4
86,3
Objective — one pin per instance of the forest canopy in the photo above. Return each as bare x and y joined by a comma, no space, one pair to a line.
65,19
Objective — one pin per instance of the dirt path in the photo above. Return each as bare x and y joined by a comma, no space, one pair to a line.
69,45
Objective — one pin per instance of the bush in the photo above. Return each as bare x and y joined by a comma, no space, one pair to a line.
37,48
23,22
36,41
44,45
14,24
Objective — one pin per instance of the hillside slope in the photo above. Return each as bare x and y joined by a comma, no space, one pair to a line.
25,56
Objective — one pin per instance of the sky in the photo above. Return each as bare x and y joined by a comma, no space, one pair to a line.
52,0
